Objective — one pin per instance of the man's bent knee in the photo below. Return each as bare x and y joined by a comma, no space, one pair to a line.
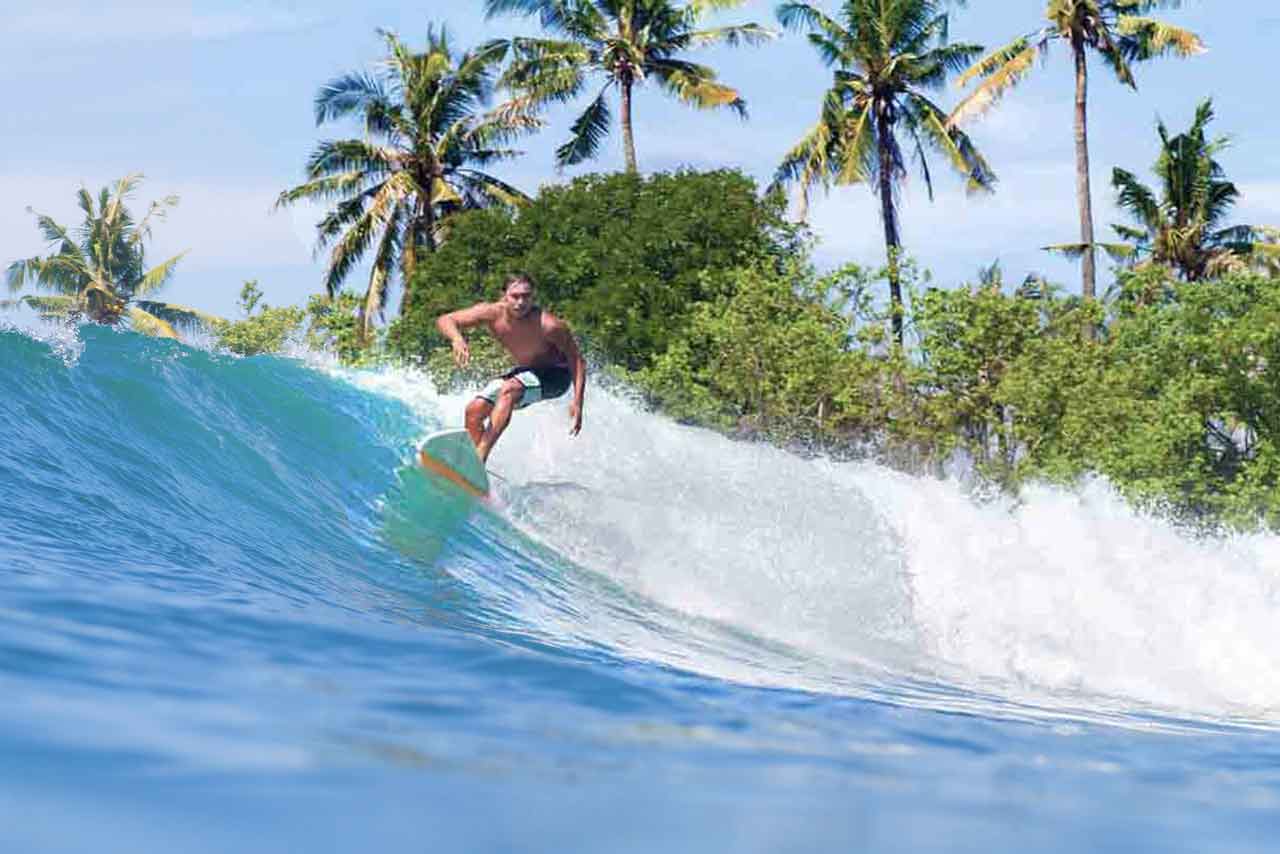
478,409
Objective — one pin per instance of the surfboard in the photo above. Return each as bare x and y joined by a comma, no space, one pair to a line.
450,455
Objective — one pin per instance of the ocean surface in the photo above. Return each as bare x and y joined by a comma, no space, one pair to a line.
234,616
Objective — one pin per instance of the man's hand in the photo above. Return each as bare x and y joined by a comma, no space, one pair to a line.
575,414
461,352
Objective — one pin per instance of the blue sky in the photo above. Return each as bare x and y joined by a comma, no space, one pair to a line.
212,100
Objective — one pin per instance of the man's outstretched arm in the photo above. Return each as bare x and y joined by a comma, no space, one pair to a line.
452,324
563,339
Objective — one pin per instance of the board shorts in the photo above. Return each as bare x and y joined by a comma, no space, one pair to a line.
542,383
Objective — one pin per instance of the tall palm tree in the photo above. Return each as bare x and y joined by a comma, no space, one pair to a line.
1120,33
99,269
622,43
885,55
1181,225
421,159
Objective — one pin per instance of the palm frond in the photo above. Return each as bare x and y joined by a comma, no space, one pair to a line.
1001,71
349,155
954,143
696,86
349,93
1147,38
181,317
1136,198
589,130
157,277
148,324
1073,251
805,16
340,186
50,306
732,36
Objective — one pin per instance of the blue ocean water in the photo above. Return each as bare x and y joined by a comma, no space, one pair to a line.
234,616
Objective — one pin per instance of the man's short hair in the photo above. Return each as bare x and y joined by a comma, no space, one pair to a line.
515,278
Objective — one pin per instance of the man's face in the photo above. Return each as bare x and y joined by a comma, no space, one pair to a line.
519,298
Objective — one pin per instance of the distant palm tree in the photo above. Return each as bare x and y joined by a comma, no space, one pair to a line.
99,271
1121,34
420,161
624,43
1181,225
885,55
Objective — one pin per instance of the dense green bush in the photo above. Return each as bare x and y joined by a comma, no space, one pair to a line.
263,332
621,257
1179,406
334,326
770,354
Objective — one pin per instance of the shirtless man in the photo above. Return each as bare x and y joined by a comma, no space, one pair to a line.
546,356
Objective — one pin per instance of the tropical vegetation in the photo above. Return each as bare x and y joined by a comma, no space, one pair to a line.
427,140
885,56
618,45
1182,224
98,271
1121,33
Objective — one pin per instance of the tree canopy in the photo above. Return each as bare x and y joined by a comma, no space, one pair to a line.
99,269
427,141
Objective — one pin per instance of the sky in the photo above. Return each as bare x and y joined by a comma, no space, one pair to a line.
212,101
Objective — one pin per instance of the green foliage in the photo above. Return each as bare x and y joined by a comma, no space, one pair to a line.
1187,395
99,271
421,159
264,332
334,326
621,257
598,47
769,354
877,114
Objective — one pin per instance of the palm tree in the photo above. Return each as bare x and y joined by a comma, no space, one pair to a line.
99,270
421,160
1120,32
624,43
884,54
1181,226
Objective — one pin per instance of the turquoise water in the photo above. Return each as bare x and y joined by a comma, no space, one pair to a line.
235,617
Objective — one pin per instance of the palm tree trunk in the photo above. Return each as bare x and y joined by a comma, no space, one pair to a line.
408,263
889,215
423,225
628,137
1083,196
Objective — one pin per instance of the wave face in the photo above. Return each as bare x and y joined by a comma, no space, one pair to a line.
214,562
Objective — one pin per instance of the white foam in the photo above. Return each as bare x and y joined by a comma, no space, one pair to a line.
62,337
1065,597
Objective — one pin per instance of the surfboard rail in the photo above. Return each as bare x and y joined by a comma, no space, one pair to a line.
450,455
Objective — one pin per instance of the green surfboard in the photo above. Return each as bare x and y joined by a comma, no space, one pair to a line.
450,455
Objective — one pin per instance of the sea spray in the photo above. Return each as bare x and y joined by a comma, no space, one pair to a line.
1064,597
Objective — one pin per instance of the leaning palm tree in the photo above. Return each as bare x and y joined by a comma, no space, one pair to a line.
885,55
1120,32
622,43
421,160
98,271
1181,225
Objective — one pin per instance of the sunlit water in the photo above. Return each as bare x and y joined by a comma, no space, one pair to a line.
235,617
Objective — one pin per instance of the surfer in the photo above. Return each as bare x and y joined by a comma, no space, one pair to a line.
546,356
